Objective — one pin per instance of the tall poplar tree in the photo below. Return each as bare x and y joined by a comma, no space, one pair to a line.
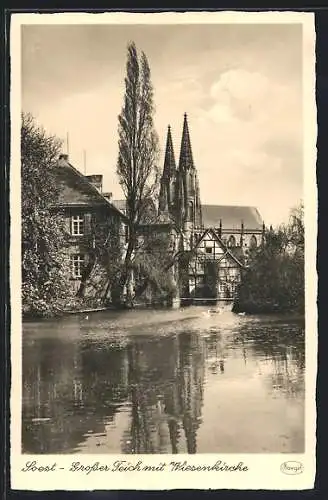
137,165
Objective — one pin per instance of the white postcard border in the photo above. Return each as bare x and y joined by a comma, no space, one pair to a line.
264,470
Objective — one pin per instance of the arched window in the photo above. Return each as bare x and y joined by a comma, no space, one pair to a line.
191,184
190,211
172,192
232,241
253,241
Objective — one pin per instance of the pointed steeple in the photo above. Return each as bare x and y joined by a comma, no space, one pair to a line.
169,161
186,160
166,196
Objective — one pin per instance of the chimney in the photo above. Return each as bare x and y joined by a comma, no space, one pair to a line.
63,158
96,180
108,196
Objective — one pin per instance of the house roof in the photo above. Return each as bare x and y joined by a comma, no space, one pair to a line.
236,256
148,219
76,180
231,216
119,204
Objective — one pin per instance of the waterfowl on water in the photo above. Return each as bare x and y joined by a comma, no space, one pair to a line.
216,311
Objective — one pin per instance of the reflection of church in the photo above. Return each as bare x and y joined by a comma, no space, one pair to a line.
212,241
166,377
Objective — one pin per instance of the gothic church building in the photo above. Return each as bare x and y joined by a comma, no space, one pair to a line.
208,244
216,238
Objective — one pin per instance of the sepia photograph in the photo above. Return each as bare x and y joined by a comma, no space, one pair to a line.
162,239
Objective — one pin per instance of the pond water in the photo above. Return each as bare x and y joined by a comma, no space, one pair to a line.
184,381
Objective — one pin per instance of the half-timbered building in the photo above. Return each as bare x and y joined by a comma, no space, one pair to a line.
213,271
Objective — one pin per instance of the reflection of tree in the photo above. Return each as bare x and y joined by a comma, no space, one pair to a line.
287,374
215,353
282,345
191,380
69,389
166,378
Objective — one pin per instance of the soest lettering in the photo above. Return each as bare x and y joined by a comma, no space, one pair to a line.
34,467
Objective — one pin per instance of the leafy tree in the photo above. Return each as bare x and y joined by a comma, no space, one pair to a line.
154,265
102,273
138,152
274,279
44,263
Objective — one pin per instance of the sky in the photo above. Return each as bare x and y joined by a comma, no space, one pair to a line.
240,85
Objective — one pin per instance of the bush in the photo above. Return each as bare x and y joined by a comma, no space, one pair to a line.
274,279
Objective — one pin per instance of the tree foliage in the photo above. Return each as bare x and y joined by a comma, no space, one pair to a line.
101,275
153,266
44,264
274,279
137,166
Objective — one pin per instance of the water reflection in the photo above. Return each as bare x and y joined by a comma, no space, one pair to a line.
179,392
282,354
166,379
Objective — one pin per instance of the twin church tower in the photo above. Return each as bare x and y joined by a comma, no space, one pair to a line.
179,189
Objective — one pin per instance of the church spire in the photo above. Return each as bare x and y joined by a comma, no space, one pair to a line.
166,195
186,160
169,161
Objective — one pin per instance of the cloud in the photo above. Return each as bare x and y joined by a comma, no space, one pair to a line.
253,113
243,85
240,86
252,96
249,139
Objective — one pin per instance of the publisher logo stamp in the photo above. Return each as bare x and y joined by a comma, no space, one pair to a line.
292,467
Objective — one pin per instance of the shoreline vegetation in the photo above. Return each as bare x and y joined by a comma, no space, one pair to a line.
274,279
277,316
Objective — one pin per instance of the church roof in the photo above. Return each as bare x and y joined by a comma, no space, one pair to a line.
169,160
186,159
231,216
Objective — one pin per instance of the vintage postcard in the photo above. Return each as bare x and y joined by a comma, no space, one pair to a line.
163,251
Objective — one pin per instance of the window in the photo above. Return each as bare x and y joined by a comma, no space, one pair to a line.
232,241
253,242
77,261
208,249
191,211
126,233
77,225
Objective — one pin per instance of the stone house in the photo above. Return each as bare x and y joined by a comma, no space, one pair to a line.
92,223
